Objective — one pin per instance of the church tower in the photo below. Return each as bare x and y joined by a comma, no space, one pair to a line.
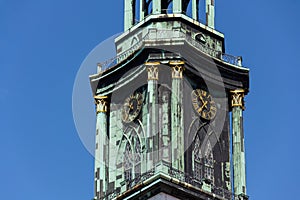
170,107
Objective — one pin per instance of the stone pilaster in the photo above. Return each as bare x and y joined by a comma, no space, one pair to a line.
177,130
195,9
238,154
156,6
210,13
152,119
165,120
142,9
101,152
128,14
177,6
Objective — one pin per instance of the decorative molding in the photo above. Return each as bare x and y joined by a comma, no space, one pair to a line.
177,68
152,69
237,98
101,103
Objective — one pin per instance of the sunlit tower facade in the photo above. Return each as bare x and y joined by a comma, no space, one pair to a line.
170,107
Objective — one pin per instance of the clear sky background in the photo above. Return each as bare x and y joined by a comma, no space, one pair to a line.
42,45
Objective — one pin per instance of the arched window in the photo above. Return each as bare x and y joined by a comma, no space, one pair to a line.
197,159
202,12
137,156
187,7
127,163
209,163
149,7
132,160
203,164
136,11
170,7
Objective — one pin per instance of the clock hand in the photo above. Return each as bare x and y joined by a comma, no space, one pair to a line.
203,101
201,98
204,104
131,106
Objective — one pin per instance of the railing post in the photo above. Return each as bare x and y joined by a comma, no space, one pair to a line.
239,61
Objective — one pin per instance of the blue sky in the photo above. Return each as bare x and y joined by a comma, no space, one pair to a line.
42,45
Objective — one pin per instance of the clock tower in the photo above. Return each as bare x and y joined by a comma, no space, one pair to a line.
170,108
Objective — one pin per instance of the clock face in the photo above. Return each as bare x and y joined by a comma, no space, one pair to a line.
132,107
203,104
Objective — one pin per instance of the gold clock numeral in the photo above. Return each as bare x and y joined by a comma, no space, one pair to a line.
194,99
139,107
130,118
199,110
208,115
199,92
203,115
126,105
213,106
213,112
124,116
140,102
209,97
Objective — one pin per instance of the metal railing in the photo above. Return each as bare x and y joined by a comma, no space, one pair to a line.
171,35
119,58
130,184
181,176
219,191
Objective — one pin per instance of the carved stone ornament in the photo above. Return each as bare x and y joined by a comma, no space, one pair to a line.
177,68
101,104
152,69
237,98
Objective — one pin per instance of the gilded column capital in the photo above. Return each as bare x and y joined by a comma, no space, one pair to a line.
237,98
101,103
152,69
177,68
